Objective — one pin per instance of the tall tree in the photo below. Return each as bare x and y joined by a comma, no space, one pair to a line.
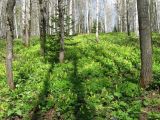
30,20
97,21
15,24
61,30
123,15
42,25
127,16
145,42
26,19
153,15
9,38
71,17
74,16
105,16
87,16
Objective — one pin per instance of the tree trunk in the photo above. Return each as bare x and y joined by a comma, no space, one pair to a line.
25,16
97,21
15,24
105,16
145,42
70,14
30,20
136,22
42,26
87,16
61,27
9,45
74,16
128,24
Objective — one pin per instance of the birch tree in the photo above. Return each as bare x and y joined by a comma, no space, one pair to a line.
97,20
87,16
71,17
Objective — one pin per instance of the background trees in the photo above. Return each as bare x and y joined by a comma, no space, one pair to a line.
61,14
42,25
81,12
36,18
9,42
61,73
119,14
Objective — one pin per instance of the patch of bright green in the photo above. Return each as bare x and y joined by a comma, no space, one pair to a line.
97,80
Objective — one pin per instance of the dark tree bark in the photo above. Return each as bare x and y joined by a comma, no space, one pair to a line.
9,44
30,21
47,16
128,24
61,27
42,26
145,42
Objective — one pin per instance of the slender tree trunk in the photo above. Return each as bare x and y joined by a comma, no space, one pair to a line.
50,19
136,22
155,20
30,20
128,24
105,16
74,16
47,16
87,16
26,23
1,23
105,23
54,15
42,26
16,25
145,42
97,21
70,14
9,45
123,20
61,27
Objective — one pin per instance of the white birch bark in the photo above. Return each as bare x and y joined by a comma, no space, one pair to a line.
70,14
97,20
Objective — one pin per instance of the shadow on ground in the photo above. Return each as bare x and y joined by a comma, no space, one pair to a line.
37,114
82,110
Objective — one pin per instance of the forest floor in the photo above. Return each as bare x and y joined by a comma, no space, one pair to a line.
97,81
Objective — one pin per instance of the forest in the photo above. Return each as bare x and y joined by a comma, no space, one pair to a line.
79,60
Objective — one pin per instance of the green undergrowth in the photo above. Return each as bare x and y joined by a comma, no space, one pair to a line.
97,81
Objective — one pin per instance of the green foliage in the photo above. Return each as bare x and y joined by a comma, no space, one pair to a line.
96,81
93,30
52,48
68,22
53,44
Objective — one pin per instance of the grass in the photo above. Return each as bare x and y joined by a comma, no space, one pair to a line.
96,81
